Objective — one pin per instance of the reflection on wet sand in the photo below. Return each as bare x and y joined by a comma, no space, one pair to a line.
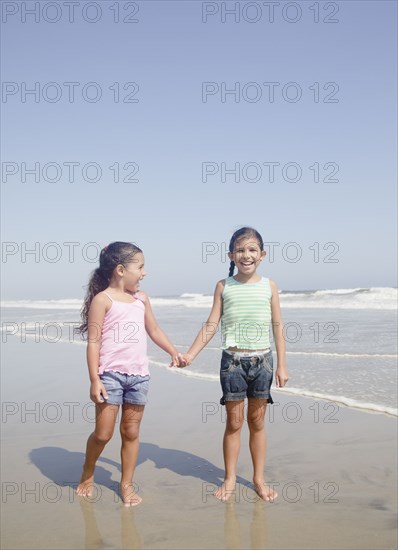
232,528
257,528
234,537
93,540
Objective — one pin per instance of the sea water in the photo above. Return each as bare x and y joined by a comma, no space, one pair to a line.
341,344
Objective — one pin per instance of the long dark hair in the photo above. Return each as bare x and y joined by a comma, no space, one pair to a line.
117,253
243,232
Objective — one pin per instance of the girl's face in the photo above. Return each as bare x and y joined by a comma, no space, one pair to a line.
134,272
247,255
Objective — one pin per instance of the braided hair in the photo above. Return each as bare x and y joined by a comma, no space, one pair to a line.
117,253
243,232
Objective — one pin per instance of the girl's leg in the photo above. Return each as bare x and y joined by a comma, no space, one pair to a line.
231,446
129,430
255,419
105,418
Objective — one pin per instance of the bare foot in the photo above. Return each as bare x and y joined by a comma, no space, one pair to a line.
265,492
128,494
226,490
85,487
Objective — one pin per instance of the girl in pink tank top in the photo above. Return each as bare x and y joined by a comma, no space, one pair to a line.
117,317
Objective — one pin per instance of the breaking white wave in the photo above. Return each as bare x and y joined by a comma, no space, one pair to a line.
340,399
43,304
381,298
384,298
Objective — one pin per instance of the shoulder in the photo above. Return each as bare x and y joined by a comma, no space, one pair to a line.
220,286
218,291
101,299
141,296
274,287
100,304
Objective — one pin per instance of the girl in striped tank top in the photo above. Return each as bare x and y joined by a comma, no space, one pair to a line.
117,318
247,305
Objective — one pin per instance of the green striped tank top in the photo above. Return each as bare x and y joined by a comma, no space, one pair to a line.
246,314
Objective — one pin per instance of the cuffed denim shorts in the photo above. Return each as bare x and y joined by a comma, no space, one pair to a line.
125,388
243,376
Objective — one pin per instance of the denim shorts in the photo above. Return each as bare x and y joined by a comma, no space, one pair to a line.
125,388
242,376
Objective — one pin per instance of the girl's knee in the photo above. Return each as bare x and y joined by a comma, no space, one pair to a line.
129,433
255,418
255,423
234,425
256,415
102,437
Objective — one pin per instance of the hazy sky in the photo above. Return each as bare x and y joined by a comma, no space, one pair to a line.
126,121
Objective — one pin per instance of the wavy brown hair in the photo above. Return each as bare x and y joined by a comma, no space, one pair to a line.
117,253
243,232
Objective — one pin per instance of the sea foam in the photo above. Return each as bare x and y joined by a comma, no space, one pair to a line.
381,298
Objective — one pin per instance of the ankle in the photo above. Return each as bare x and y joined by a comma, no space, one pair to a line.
230,477
259,481
126,483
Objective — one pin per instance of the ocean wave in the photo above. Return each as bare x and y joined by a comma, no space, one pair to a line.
340,399
185,372
384,298
350,355
185,300
63,333
380,298
73,304
346,401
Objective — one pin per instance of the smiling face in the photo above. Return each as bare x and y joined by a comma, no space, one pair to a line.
133,272
247,255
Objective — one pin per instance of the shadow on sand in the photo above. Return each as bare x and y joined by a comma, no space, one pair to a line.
64,467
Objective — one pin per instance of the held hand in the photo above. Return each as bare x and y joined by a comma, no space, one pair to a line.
187,359
174,362
281,377
97,391
181,360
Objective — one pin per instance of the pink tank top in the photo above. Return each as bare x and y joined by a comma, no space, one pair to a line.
124,339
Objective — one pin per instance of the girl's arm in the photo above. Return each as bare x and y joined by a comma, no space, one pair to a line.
156,334
96,317
281,374
209,328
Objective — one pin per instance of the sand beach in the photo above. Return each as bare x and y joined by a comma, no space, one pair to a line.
334,467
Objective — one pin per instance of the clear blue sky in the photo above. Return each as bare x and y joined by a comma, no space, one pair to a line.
171,213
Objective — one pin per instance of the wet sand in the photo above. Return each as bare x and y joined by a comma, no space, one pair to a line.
334,468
